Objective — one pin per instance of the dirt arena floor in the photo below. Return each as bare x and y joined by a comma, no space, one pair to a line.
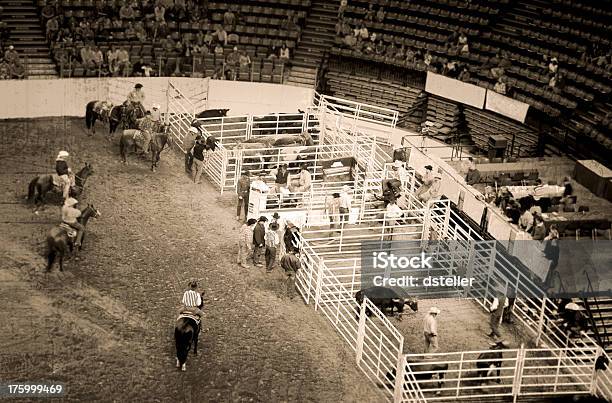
105,325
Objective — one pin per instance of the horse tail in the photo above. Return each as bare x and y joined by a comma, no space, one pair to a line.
183,335
89,112
32,188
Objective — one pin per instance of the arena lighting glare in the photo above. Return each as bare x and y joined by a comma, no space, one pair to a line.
383,260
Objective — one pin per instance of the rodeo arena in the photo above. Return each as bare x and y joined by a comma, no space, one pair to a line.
305,200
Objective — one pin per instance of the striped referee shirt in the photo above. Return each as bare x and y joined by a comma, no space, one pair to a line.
191,298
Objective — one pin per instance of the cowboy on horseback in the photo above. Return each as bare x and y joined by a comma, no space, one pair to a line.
64,173
70,215
192,300
147,127
135,98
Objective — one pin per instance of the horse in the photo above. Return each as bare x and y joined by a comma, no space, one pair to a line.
158,142
113,117
59,243
40,185
186,332
131,116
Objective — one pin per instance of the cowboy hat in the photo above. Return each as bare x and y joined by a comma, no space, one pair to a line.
429,167
572,306
435,310
193,130
71,201
275,215
289,223
11,47
138,85
63,154
337,164
155,106
263,218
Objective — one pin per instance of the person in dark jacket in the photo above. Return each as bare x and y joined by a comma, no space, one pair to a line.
190,142
291,238
198,157
473,176
259,241
281,177
290,263
65,174
244,188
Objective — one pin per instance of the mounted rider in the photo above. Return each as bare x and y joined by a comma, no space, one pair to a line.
147,127
192,300
70,215
135,98
103,109
64,173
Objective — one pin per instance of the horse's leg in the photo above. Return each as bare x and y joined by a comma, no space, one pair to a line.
61,262
195,342
50,258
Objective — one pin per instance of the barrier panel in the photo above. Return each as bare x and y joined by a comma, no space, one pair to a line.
179,115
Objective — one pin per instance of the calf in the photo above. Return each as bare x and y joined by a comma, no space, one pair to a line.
490,361
423,371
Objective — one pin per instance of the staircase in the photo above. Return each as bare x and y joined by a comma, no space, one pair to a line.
317,37
28,37
599,310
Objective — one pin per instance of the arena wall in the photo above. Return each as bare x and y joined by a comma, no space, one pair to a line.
68,97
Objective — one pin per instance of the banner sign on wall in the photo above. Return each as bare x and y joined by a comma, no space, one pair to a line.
506,106
455,90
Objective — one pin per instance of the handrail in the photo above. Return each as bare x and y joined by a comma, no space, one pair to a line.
587,305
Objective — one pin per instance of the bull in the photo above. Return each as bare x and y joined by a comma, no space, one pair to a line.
491,361
386,298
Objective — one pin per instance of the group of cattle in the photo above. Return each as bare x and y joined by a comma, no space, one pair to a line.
392,302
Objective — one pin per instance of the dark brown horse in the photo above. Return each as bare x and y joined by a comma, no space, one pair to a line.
186,332
128,142
114,116
42,184
60,244
131,114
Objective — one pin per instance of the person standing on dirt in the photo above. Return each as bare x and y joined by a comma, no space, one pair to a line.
70,215
245,241
272,243
259,241
430,330
500,302
198,158
193,135
244,188
64,172
290,262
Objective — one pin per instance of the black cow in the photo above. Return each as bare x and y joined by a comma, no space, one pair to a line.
212,113
422,371
385,298
491,360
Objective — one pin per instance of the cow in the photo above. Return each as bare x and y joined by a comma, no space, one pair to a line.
384,298
212,113
490,361
422,372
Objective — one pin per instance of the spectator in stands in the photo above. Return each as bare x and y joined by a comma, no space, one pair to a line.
473,176
489,194
553,66
52,28
362,32
233,38
123,61
17,69
221,35
141,32
369,47
380,48
11,56
126,12
284,53
380,15
450,69
350,41
462,44
342,8
526,221
500,86
464,75
245,60
539,230
428,58
160,13
400,53
208,39
167,44
130,32
218,49
47,12
180,9
229,20
391,51
369,15
5,73
137,68
272,53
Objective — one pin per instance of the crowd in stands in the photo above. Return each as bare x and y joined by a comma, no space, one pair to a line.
11,64
82,37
